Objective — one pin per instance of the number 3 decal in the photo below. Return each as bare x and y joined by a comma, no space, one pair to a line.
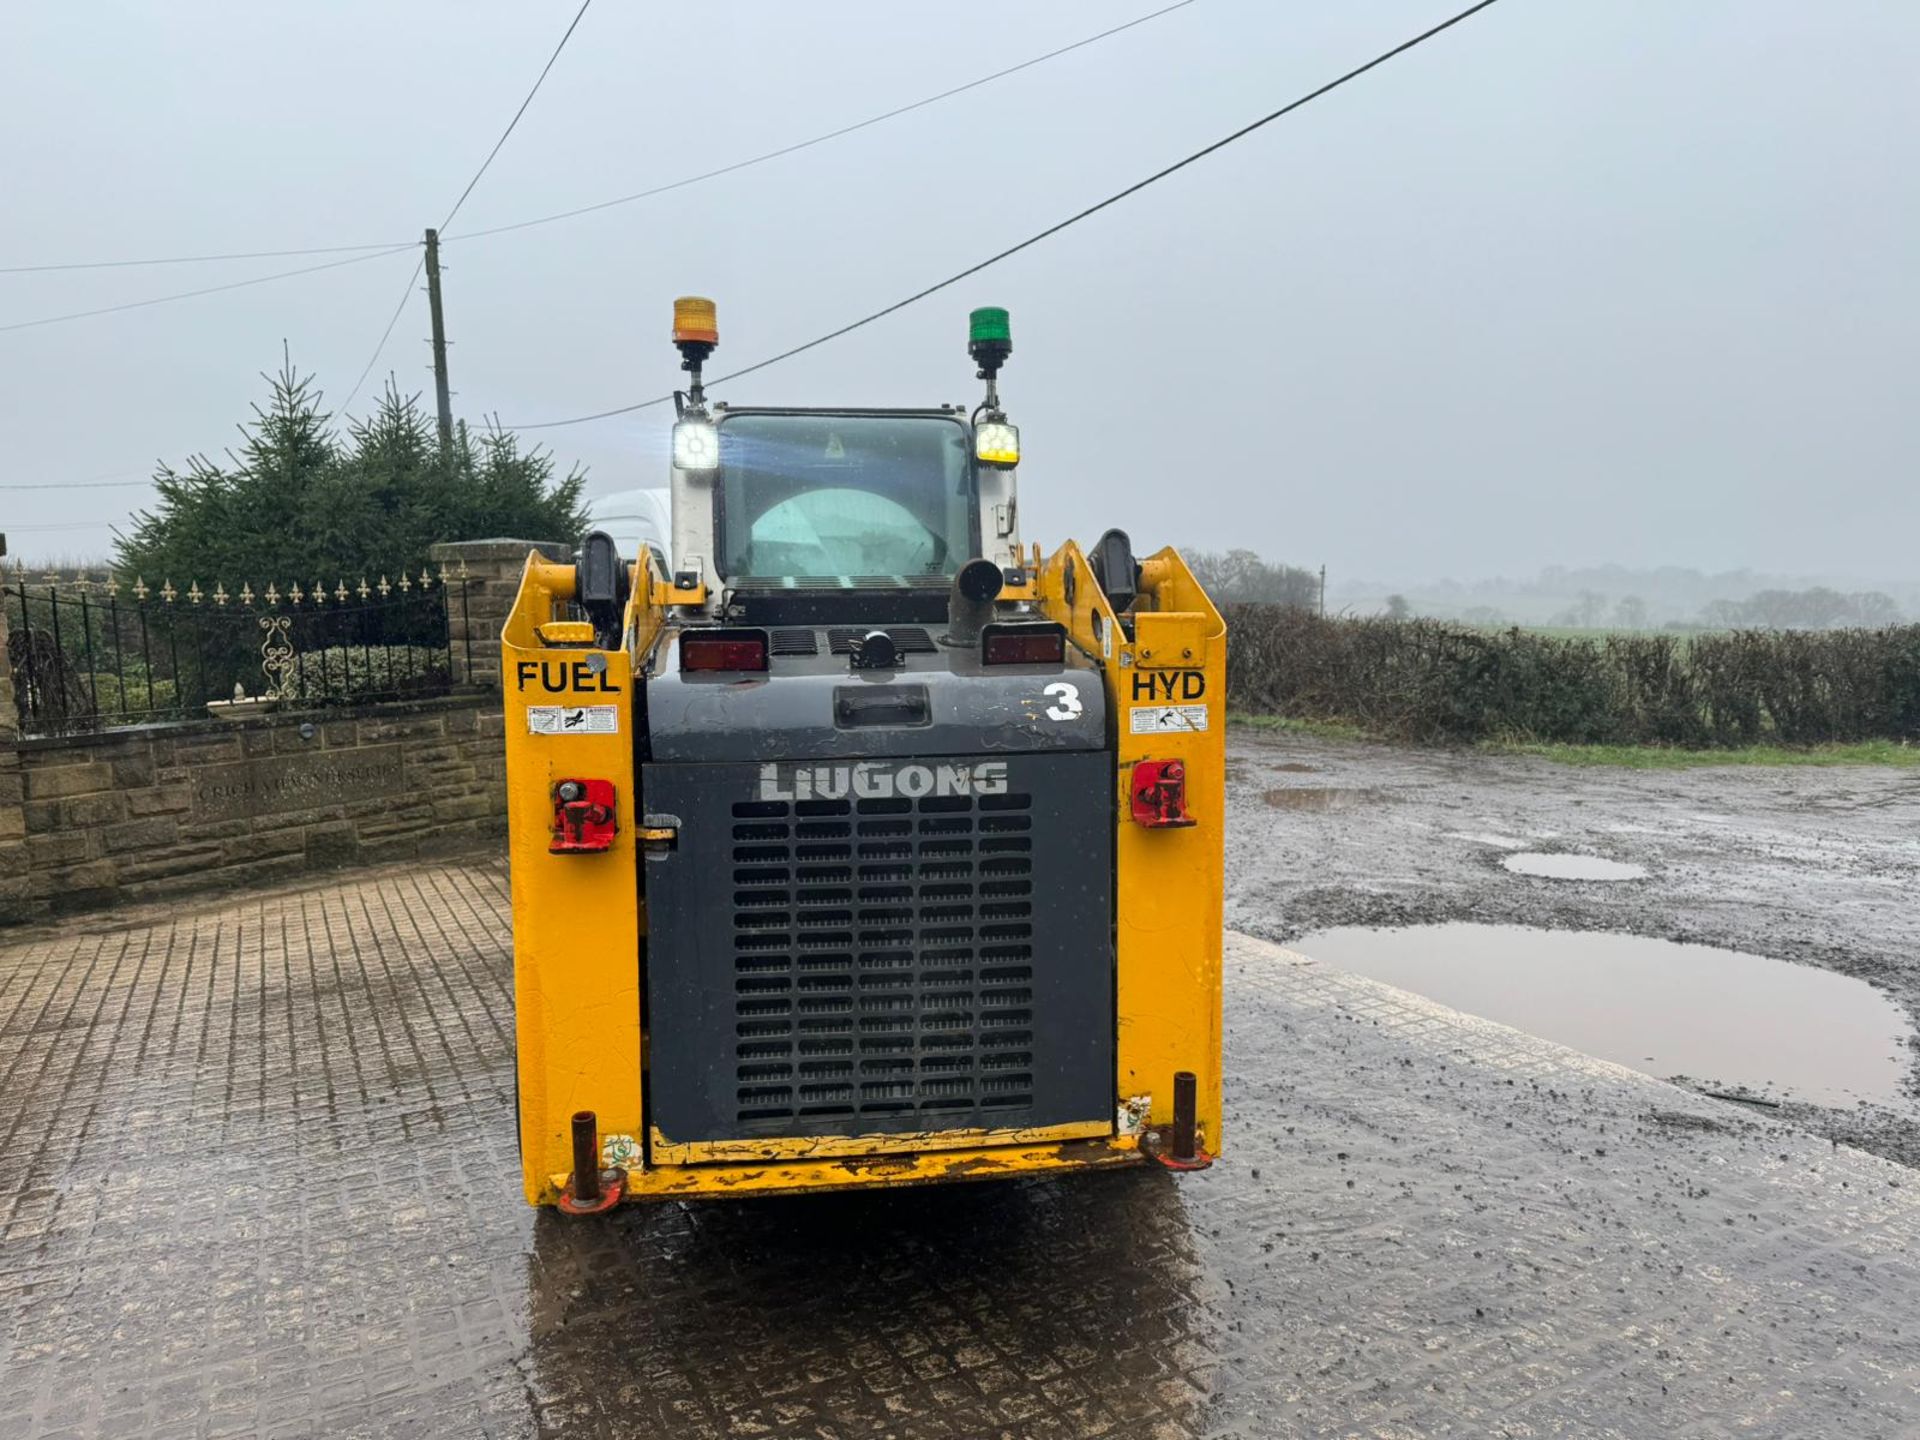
1068,696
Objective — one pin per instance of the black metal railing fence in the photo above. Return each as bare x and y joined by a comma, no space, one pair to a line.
92,654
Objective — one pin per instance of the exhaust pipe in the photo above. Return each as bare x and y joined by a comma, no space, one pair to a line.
976,585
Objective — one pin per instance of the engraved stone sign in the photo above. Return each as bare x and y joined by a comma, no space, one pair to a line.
274,784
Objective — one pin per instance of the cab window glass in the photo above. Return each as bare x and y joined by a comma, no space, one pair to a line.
844,496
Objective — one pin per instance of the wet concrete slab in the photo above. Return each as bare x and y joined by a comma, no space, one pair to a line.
257,1178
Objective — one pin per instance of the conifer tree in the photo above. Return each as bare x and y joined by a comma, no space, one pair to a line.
299,500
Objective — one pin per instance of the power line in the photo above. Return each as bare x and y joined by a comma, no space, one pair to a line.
195,259
822,139
516,115
375,252
680,184
385,335
398,310
194,294
1051,230
80,484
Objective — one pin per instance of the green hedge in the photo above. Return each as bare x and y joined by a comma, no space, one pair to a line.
343,672
1431,680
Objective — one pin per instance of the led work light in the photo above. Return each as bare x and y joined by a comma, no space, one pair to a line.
696,445
995,442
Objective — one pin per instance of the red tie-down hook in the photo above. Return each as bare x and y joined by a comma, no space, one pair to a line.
582,817
1159,794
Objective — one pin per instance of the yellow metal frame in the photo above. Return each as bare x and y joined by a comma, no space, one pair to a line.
982,1162
580,920
576,918
1167,883
663,1151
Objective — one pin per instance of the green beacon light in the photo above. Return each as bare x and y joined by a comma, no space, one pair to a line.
989,339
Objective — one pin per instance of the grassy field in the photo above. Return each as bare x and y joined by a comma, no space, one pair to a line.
1632,757
1599,635
1576,632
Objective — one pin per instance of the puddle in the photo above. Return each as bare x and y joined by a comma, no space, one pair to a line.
1294,767
1572,867
1313,797
1653,1005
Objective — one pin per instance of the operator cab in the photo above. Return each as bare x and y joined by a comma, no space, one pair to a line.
785,516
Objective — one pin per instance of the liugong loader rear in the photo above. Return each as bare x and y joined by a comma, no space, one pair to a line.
864,847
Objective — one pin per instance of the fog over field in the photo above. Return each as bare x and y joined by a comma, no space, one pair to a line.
1623,595
1602,281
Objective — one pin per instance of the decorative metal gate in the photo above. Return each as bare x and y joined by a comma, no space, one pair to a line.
87,654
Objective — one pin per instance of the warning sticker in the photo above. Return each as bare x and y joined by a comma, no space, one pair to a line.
573,719
1159,719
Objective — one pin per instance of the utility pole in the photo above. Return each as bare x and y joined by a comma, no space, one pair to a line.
1323,568
440,392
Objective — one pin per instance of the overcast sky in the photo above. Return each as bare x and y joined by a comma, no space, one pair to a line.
1579,281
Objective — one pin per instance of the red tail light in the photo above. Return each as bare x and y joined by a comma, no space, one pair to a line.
1159,794
723,650
583,822
1023,644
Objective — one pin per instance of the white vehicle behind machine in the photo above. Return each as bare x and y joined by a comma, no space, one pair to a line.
635,518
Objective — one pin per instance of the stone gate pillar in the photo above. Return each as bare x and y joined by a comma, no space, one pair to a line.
478,610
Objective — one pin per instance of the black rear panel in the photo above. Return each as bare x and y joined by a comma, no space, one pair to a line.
831,954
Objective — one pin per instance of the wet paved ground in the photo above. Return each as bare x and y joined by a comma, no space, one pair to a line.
257,1179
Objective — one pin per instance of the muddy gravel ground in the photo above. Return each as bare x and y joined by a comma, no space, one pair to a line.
1817,865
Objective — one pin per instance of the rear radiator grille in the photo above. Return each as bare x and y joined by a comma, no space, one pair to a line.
883,959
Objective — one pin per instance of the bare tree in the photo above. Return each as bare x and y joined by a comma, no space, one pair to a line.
1243,575
1585,612
1819,608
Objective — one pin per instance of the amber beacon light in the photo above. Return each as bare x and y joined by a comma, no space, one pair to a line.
695,321
696,334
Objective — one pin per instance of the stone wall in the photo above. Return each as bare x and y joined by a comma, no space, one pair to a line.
144,812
